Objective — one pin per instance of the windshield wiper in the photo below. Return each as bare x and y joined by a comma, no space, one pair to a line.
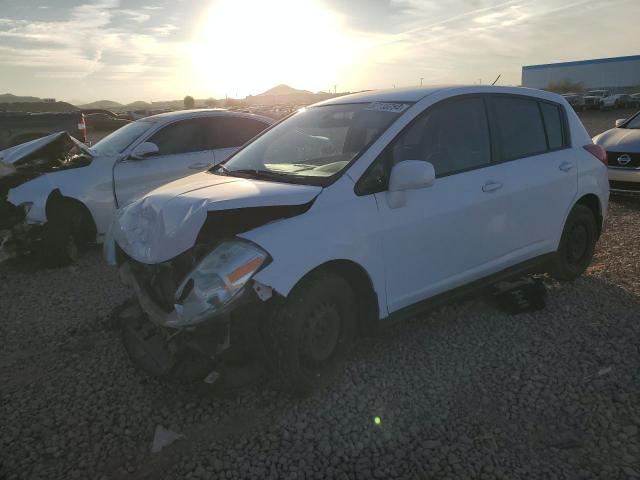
258,172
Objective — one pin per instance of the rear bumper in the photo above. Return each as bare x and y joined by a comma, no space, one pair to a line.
624,181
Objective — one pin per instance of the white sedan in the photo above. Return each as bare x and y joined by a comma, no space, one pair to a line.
61,201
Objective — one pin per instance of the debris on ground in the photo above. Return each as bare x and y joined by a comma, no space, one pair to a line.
163,437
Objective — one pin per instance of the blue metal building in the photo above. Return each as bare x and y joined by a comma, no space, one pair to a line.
612,73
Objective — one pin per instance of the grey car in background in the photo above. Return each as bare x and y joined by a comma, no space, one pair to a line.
622,144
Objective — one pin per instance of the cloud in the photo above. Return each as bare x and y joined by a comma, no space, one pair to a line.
81,45
461,41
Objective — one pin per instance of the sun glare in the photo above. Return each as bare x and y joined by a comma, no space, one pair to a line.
244,47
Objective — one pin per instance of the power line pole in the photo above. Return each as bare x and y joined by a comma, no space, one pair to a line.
421,79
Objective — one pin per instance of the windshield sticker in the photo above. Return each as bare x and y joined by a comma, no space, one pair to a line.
388,107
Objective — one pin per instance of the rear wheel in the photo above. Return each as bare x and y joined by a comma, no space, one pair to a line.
577,245
312,331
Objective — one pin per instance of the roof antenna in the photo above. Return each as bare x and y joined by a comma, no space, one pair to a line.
496,80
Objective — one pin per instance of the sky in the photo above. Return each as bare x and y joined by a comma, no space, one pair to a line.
126,50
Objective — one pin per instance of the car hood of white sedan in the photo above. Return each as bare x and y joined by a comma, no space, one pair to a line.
166,222
620,140
42,153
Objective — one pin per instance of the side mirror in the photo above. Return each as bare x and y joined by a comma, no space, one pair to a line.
144,150
408,175
620,121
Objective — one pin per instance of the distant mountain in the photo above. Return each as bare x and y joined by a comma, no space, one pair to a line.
139,105
283,89
37,107
9,98
286,95
106,104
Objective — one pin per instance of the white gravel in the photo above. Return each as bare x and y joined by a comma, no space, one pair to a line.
463,392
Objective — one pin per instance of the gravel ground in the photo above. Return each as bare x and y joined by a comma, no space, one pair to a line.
462,392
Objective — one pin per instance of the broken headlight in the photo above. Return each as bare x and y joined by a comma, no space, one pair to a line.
217,280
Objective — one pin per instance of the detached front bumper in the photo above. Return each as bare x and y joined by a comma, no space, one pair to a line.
625,181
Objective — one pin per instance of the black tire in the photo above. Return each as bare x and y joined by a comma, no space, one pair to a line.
577,245
65,234
312,331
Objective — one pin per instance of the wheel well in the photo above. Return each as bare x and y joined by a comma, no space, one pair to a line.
365,295
592,202
56,202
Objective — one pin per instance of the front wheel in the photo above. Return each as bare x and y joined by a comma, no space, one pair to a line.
577,245
312,330
66,232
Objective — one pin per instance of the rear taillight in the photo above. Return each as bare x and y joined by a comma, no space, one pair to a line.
82,128
597,151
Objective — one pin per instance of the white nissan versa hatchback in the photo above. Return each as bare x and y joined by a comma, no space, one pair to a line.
348,213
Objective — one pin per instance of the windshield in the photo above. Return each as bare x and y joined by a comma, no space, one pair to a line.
314,143
634,122
117,141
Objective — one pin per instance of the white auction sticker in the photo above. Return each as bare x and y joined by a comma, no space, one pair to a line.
388,107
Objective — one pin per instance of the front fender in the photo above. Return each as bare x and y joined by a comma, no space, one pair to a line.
333,229
36,192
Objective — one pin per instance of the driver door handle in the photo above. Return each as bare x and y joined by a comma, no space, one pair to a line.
199,165
491,186
566,166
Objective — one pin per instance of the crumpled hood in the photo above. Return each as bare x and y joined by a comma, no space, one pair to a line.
619,140
166,222
40,150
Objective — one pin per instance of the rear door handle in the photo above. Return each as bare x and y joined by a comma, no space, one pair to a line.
566,166
491,186
198,166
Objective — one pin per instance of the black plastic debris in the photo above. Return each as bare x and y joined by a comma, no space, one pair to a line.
524,294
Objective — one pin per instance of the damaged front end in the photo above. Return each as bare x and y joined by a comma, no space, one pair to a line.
198,315
19,165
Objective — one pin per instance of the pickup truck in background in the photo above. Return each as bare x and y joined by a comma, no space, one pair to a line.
20,127
603,99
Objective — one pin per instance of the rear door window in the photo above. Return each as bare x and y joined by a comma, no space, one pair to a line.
520,129
227,132
180,137
553,124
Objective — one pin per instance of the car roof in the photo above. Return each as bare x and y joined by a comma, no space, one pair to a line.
415,94
201,112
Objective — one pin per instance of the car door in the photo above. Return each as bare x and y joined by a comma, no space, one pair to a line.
452,232
226,133
534,148
181,151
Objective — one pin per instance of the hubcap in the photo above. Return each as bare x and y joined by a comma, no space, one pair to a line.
577,243
321,332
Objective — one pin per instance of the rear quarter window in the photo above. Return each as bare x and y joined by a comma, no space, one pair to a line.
552,116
